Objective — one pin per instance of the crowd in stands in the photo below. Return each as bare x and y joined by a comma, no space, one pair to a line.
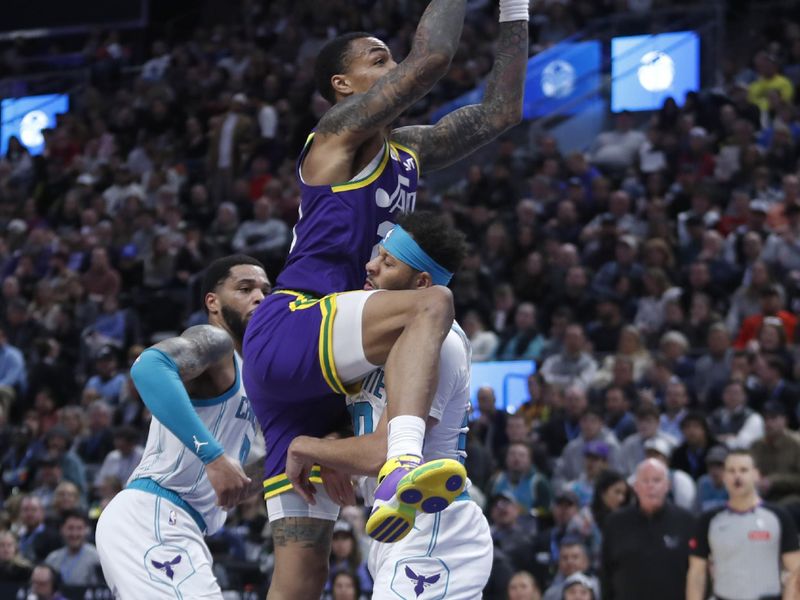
653,278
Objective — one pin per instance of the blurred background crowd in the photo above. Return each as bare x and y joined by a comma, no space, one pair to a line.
652,277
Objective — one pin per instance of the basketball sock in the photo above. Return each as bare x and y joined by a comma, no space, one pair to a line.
406,433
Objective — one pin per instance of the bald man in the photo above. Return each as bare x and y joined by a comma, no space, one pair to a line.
646,547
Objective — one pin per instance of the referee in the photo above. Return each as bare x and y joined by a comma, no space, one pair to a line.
747,541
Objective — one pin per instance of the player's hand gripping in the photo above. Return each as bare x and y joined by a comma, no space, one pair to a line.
339,486
298,470
228,480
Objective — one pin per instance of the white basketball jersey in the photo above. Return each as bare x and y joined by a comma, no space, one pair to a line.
450,407
170,464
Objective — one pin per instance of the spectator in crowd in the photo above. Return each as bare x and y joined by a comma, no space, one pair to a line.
619,418
45,583
645,552
126,455
735,424
490,426
611,493
774,386
14,568
713,368
265,236
508,531
58,444
711,491
675,402
746,539
13,376
484,342
523,587
107,381
522,341
346,556
523,481
769,79
572,559
617,150
579,587
573,365
228,141
690,456
682,489
99,440
632,450
564,425
777,457
538,407
570,464
345,586
77,562
36,539
771,306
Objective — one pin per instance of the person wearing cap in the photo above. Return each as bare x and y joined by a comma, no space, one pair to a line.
711,492
346,556
777,457
645,552
595,462
507,528
772,305
735,424
579,587
107,380
682,489
571,464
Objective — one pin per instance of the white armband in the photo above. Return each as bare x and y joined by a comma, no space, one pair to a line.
514,10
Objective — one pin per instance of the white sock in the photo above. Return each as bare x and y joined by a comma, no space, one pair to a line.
405,436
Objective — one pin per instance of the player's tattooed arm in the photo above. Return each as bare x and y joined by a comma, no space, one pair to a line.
435,43
305,531
196,349
463,131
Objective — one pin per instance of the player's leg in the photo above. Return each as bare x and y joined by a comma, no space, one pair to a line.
403,330
302,553
150,548
301,536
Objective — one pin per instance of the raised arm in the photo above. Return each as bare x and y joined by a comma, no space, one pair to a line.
360,116
467,129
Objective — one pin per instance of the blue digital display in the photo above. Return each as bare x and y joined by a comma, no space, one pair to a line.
26,117
560,80
648,69
508,379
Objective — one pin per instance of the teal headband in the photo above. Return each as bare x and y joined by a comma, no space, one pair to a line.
402,246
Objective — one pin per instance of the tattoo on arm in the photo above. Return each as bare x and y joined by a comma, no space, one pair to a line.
305,531
435,43
464,130
196,349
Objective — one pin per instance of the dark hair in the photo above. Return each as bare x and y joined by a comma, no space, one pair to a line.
55,576
74,514
220,269
333,60
605,480
443,242
353,578
698,417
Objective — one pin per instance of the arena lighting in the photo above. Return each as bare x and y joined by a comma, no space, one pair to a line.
27,116
509,379
648,69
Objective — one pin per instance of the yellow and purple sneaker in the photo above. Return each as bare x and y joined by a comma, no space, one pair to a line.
405,486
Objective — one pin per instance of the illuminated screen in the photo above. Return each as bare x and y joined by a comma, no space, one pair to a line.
26,117
509,379
648,69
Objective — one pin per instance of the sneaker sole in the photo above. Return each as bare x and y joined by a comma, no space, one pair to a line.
430,488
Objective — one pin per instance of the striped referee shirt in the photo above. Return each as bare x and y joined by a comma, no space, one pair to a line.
746,548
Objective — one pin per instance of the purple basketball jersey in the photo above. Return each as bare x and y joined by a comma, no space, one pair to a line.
340,225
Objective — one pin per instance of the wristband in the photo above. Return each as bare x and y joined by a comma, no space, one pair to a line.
514,10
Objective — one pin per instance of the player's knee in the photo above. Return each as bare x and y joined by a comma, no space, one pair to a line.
436,304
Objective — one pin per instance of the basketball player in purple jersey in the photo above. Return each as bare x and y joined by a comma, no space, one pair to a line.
314,338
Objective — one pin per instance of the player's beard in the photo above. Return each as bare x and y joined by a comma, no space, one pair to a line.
236,323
